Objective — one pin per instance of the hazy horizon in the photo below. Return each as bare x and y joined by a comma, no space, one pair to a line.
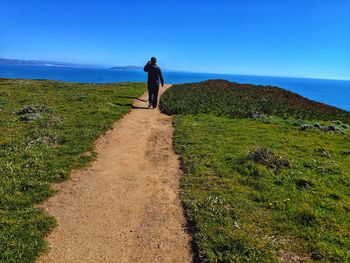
105,66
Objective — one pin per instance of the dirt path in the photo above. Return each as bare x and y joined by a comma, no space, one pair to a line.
124,207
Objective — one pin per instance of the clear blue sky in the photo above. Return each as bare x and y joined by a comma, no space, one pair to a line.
309,38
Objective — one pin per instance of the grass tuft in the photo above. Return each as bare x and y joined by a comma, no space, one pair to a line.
267,157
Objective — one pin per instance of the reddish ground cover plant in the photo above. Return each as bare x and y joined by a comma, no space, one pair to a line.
221,97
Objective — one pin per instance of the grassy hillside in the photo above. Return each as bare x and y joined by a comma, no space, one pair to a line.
47,128
231,99
262,189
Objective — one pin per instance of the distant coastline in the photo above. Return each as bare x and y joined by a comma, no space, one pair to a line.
126,68
6,61
47,63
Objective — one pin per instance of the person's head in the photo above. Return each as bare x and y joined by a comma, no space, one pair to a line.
153,60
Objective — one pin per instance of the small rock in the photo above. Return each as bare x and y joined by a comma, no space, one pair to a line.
258,115
332,128
304,127
29,109
30,117
236,225
317,125
323,152
337,122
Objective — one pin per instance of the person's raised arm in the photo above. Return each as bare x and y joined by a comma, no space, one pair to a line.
161,77
146,67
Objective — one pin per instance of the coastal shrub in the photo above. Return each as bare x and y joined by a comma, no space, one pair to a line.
335,127
28,109
221,97
32,112
267,157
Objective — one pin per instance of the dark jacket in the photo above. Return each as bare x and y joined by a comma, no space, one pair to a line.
154,74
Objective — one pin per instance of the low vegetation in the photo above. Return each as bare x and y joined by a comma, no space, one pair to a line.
231,99
47,128
261,189
267,157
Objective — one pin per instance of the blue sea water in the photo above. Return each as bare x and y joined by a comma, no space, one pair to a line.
332,92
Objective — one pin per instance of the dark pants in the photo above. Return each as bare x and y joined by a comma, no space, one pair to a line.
153,90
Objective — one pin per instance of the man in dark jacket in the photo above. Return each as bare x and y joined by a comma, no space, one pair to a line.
154,76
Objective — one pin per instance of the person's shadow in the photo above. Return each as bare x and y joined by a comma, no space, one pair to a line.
140,108
130,97
132,106
129,104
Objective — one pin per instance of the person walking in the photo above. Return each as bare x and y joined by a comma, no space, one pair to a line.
154,77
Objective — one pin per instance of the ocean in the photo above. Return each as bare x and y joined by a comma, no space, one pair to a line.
332,92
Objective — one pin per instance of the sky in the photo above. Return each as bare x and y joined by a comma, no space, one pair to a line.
300,38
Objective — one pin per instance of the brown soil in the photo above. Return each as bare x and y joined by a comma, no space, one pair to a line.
125,206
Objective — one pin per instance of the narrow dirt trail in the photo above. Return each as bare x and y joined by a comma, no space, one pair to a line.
125,206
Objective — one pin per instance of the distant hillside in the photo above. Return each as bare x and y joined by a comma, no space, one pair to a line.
126,68
6,61
45,63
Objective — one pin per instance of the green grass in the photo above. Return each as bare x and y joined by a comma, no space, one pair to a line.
267,173
245,211
35,153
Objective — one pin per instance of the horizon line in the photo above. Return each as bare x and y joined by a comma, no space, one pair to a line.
88,65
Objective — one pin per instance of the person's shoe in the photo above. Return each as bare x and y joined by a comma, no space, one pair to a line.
150,105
